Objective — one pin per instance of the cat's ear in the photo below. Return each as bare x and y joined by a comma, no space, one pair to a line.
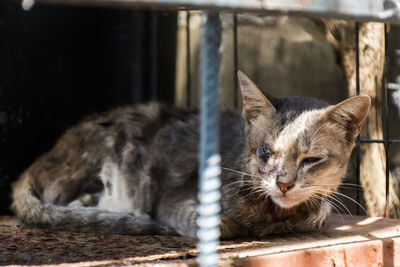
255,103
350,114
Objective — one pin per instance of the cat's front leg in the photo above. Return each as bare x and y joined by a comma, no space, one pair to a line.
178,210
230,229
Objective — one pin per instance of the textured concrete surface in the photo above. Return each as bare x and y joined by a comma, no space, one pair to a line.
348,241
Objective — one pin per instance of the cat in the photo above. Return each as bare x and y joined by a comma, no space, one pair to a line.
134,170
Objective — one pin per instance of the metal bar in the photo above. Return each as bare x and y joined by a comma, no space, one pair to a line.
235,61
139,54
208,231
393,86
188,62
357,51
357,10
358,157
386,107
154,42
381,141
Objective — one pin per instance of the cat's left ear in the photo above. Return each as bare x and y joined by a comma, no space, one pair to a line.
255,103
350,114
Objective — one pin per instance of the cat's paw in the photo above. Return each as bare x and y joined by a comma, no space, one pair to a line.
165,230
231,230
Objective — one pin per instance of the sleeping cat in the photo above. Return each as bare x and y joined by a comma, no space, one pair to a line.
134,170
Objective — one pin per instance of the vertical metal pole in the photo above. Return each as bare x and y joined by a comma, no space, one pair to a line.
386,107
154,56
27,4
188,62
235,60
208,231
140,54
358,160
357,47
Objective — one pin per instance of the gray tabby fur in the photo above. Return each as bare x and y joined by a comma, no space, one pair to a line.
134,170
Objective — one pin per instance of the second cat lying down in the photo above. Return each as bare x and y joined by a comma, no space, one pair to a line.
134,170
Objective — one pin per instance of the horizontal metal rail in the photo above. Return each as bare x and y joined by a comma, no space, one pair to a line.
387,11
381,141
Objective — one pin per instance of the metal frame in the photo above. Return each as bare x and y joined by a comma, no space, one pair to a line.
358,10
387,11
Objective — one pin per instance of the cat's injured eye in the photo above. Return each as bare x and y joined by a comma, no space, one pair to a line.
264,152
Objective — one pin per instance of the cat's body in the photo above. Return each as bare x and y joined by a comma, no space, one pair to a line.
134,170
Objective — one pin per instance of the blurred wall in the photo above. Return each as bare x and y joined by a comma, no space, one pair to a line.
283,55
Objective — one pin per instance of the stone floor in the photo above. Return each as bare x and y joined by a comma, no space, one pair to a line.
348,241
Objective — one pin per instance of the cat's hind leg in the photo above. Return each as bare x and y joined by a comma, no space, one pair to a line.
116,196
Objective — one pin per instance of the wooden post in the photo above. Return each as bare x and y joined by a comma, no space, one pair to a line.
372,60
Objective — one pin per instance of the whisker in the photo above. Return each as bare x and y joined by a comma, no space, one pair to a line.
351,184
244,159
244,182
240,172
313,202
341,184
337,208
254,190
340,202
343,195
258,191
350,188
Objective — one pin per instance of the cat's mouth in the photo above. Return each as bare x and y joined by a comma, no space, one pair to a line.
286,200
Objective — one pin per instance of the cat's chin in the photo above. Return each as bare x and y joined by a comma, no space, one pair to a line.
286,202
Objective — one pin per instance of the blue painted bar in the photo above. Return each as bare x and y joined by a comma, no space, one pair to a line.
208,231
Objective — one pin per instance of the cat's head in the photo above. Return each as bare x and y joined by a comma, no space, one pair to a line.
299,147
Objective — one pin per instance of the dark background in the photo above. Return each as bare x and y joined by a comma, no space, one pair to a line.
58,64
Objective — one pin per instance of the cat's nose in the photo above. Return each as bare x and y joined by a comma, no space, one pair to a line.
284,187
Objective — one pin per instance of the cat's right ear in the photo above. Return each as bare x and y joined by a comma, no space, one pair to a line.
350,114
255,103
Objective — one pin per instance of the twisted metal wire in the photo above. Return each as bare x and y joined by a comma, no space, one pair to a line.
208,231
27,4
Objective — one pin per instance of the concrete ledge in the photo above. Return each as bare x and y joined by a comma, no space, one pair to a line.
348,241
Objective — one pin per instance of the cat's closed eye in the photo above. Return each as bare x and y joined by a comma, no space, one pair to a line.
310,160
